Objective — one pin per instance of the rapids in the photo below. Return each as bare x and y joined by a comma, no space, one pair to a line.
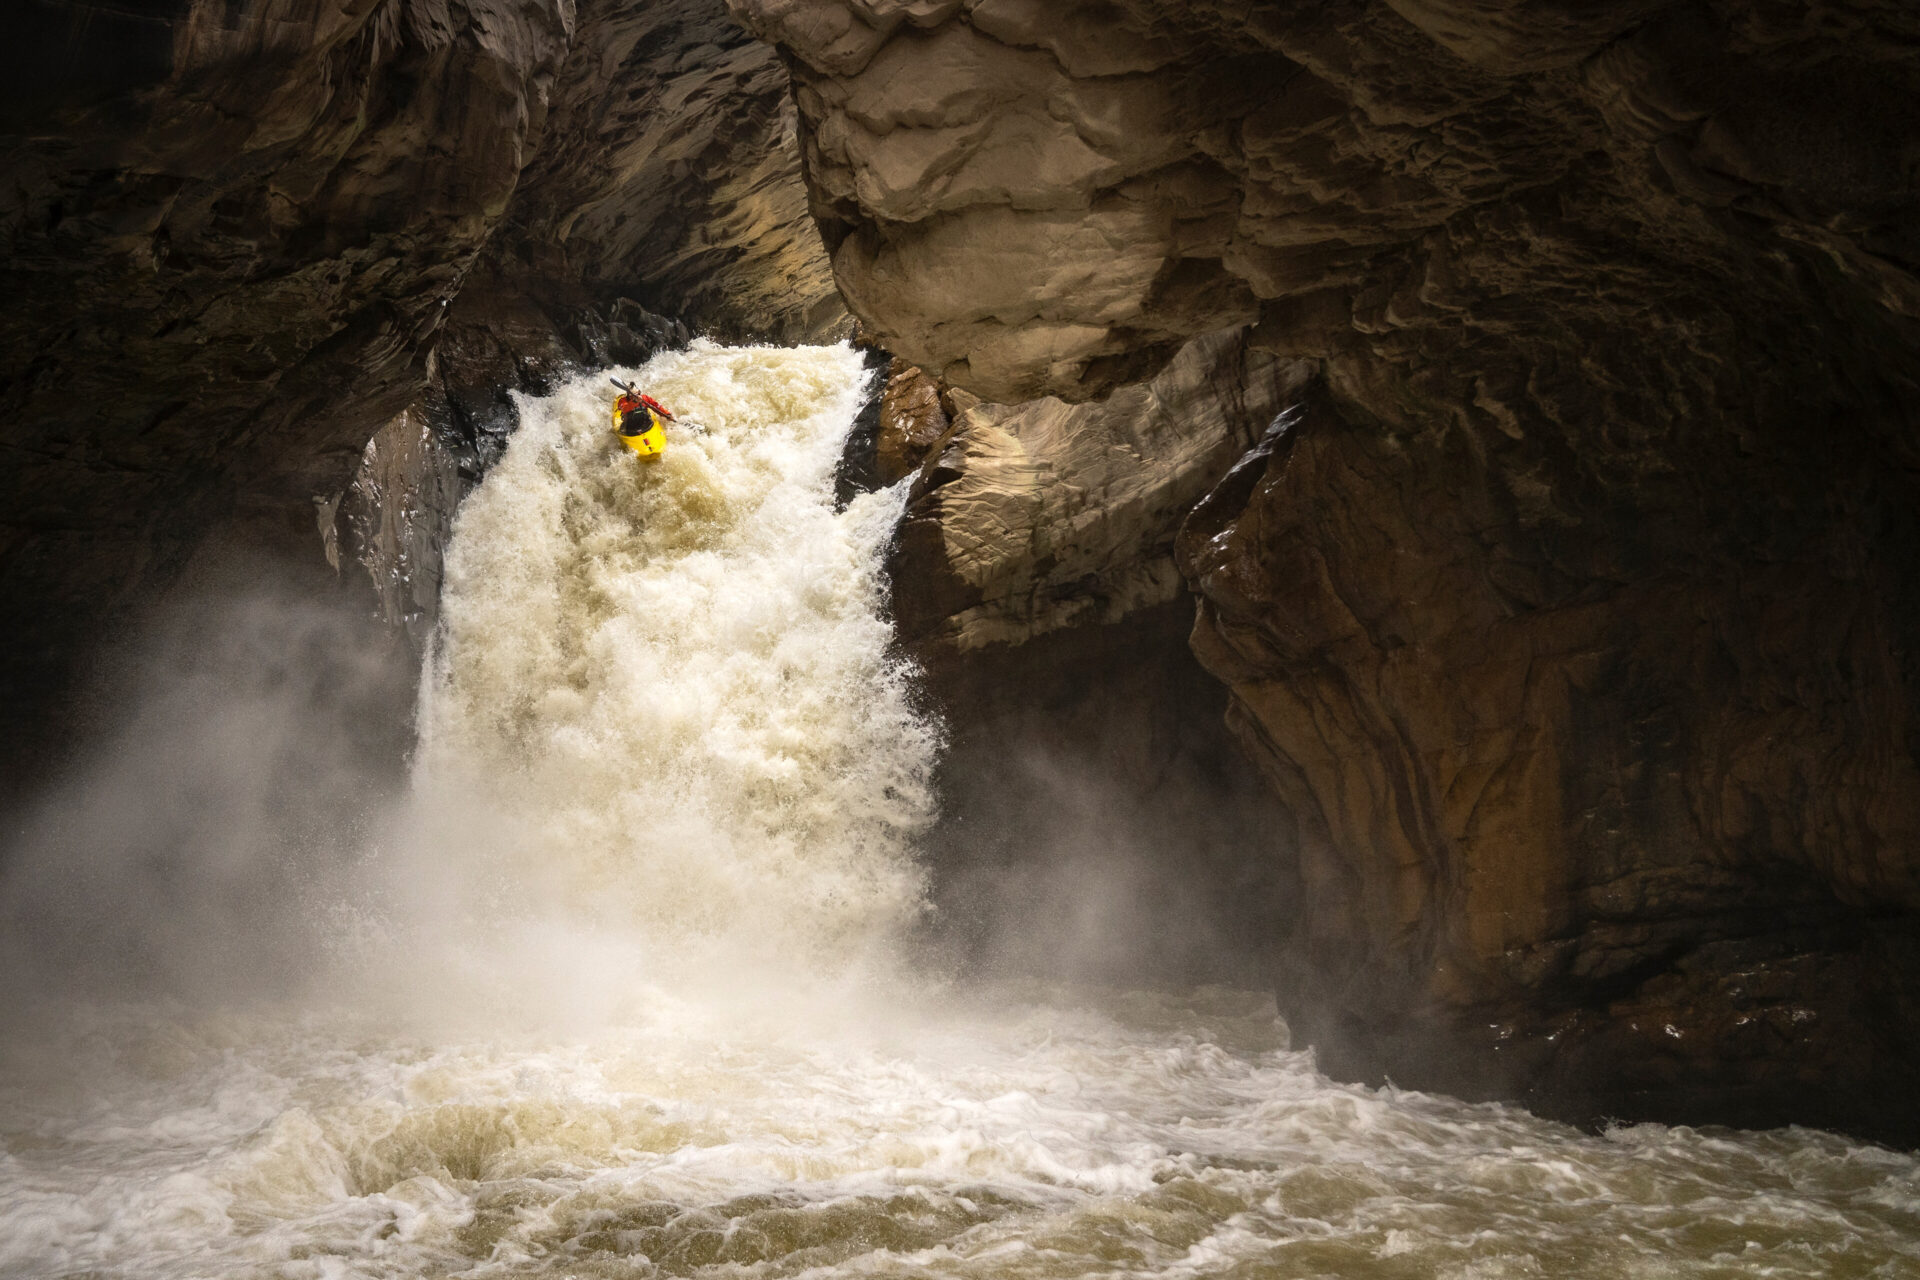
626,985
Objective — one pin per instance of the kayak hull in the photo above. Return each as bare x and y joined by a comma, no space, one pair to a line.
649,443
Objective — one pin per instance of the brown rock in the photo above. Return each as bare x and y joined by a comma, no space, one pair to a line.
1039,199
1575,618
1045,515
668,173
223,274
912,422
1097,820
1563,838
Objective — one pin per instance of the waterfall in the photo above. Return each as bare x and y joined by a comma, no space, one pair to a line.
664,710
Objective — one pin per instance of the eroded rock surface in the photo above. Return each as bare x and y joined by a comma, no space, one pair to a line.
1029,198
1574,616
1098,821
669,171
1616,844
1035,517
223,274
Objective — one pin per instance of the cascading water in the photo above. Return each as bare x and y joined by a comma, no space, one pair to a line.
663,713
619,993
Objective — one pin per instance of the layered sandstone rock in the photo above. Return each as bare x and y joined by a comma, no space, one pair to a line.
1573,616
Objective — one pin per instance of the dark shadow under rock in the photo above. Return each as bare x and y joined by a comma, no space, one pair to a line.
1098,822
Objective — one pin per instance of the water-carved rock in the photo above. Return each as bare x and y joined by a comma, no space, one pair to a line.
1574,616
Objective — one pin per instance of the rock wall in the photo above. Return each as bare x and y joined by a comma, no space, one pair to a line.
1030,518
224,271
1097,818
669,172
1027,198
1098,822
1614,843
1573,611
235,233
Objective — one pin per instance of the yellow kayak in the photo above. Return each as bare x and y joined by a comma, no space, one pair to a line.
649,443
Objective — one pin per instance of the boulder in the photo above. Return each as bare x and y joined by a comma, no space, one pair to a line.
913,421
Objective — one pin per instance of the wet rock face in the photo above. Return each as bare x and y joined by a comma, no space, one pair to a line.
222,274
234,234
1637,846
1032,518
1573,615
914,420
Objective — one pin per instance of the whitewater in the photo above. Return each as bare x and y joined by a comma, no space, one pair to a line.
633,981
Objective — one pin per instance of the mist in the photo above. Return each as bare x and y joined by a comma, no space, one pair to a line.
198,845
1098,823
249,826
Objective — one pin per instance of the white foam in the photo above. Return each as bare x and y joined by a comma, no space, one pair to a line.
664,732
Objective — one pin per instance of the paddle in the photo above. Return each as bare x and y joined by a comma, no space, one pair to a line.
628,387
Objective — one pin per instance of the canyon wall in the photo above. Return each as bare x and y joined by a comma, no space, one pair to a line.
1572,610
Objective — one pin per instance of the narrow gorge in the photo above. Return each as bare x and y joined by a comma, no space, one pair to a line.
1402,515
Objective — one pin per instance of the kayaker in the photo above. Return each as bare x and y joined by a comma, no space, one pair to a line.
632,407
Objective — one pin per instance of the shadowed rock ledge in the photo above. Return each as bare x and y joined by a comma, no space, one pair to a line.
1097,820
1032,518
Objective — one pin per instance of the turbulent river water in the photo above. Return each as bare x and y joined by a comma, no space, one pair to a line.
625,987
